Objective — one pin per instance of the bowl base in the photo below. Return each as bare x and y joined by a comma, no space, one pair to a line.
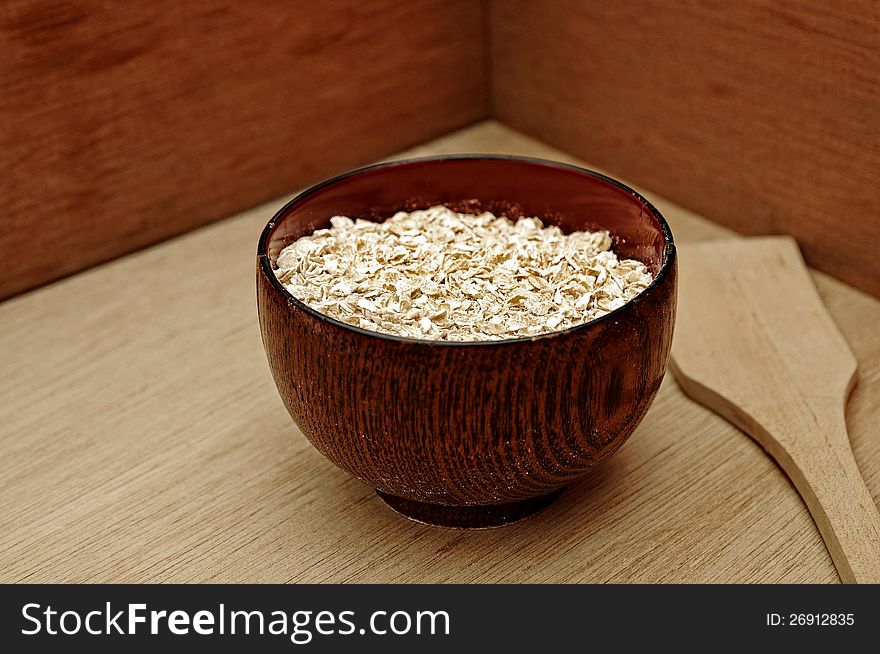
469,517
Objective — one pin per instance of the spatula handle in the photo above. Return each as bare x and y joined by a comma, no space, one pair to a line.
822,469
830,482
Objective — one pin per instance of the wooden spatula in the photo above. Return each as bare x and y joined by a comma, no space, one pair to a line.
755,343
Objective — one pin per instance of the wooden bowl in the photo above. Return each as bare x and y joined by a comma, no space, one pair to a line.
471,434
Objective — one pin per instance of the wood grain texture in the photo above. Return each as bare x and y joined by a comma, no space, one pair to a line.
123,124
471,424
762,115
142,438
755,343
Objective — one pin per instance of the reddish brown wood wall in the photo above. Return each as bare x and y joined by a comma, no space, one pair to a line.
763,115
124,123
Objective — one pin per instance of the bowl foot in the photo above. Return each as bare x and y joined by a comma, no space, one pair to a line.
469,517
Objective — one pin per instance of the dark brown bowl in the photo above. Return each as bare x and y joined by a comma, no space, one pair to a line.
483,433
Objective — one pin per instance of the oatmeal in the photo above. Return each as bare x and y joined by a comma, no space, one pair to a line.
441,275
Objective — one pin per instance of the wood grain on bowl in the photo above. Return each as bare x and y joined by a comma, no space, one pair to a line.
476,424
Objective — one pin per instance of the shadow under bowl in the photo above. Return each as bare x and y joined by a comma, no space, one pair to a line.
481,433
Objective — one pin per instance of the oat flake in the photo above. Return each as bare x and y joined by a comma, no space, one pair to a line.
441,275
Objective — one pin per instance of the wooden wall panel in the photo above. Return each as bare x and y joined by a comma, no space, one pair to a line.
760,114
124,123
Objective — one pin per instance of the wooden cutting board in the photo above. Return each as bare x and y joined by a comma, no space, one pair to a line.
755,343
143,440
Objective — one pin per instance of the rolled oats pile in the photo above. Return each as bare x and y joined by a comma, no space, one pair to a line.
441,275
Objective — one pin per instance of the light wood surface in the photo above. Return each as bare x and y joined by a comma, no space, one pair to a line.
755,343
122,124
759,114
142,439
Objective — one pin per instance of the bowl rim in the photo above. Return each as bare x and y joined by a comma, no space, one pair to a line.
669,250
